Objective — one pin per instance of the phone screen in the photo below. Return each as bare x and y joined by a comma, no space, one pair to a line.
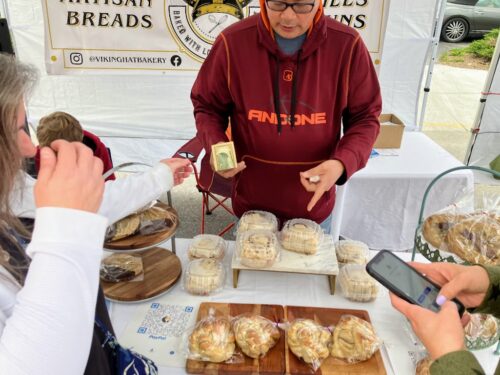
404,280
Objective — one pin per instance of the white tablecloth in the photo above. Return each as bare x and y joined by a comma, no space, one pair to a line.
295,289
382,201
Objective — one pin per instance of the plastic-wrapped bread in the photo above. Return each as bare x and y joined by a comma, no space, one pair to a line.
309,341
120,267
352,252
481,331
204,276
476,239
207,246
357,284
255,335
302,236
257,220
354,339
212,340
257,248
424,366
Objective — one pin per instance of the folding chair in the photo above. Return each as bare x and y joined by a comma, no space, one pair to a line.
211,185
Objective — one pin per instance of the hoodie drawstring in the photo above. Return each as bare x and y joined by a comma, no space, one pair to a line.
276,93
293,105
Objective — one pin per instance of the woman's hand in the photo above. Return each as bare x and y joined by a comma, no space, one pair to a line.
441,333
70,177
181,168
328,172
466,283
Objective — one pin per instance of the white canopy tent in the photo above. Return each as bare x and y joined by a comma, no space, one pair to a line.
484,145
146,110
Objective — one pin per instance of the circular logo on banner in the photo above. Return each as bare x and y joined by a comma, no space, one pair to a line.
197,23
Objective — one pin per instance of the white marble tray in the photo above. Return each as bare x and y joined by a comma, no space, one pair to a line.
324,262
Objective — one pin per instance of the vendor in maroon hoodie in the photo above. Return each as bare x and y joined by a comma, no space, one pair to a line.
285,80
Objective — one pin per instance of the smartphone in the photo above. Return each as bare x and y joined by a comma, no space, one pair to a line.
405,281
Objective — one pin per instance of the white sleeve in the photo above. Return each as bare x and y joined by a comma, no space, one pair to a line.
124,196
51,325
22,198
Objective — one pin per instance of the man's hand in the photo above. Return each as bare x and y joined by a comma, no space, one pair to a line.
328,172
229,173
70,176
181,168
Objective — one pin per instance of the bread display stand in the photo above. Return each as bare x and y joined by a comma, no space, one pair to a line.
435,255
161,267
324,262
420,244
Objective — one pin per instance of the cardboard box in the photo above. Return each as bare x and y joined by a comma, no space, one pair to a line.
391,132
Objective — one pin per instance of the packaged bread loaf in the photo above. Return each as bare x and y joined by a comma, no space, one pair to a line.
257,248
351,252
207,246
204,276
302,236
254,334
212,340
357,284
354,339
254,220
309,341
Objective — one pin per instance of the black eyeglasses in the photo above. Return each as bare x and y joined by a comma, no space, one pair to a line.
280,6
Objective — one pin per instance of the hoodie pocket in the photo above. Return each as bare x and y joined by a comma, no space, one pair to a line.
275,187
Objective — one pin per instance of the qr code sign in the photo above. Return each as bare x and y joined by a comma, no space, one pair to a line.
162,321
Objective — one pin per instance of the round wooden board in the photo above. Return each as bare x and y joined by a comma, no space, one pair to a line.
140,241
162,269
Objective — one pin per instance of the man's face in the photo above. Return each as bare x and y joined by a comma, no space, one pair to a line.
289,24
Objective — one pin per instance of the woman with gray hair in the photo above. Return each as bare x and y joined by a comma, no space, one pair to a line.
48,289
53,318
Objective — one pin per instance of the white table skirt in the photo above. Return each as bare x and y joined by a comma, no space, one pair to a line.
382,201
297,289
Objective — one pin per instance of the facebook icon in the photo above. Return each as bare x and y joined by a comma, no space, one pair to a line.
175,60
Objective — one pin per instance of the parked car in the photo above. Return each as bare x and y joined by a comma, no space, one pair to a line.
463,18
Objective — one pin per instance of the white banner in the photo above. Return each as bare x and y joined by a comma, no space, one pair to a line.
89,36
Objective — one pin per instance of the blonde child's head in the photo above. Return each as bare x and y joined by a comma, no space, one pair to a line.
58,125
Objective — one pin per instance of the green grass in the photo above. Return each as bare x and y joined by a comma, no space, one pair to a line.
481,49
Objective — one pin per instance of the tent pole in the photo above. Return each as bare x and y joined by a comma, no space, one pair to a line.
482,102
440,7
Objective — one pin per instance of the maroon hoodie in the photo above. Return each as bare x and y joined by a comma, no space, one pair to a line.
247,79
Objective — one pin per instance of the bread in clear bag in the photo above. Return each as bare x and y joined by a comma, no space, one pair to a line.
254,334
309,341
354,340
212,340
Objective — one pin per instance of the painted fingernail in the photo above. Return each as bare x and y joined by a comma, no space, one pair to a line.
440,300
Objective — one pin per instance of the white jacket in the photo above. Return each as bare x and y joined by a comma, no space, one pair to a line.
46,326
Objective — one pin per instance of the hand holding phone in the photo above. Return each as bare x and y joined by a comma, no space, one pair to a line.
406,282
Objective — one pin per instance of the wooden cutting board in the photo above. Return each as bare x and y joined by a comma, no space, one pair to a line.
327,317
141,241
272,363
162,269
